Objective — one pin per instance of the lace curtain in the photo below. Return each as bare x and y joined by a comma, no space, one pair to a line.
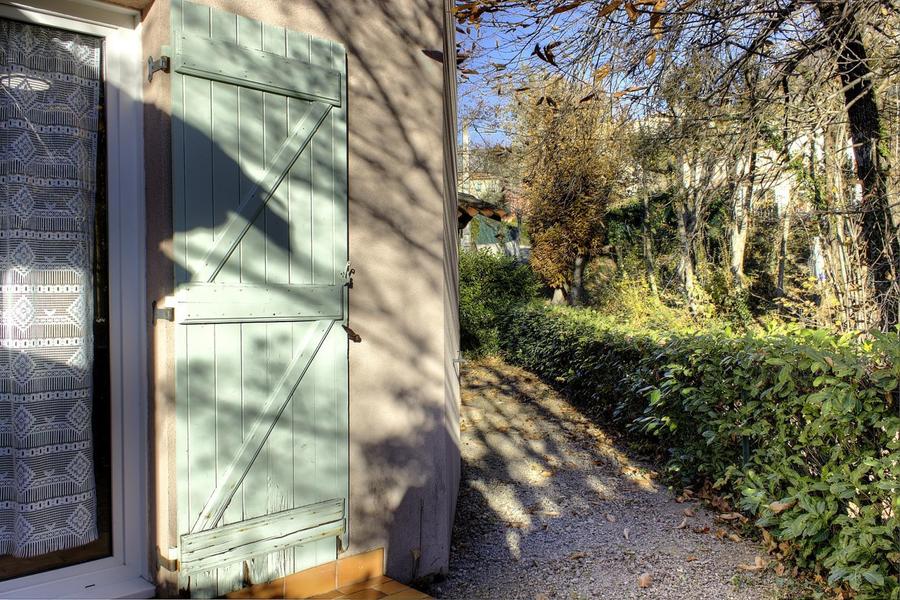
49,112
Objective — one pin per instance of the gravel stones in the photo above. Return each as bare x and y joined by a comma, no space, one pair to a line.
549,508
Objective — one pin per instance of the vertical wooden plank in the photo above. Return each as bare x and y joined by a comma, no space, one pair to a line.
226,198
280,487
228,433
326,436
304,446
324,271
275,212
299,182
197,149
178,171
341,368
254,390
225,146
252,157
201,386
253,250
196,367
339,160
331,410
182,441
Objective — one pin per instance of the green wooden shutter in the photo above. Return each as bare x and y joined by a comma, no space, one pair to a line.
260,208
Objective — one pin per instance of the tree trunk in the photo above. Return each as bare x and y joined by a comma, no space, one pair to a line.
880,221
559,296
647,239
686,259
783,208
844,262
782,253
576,298
742,201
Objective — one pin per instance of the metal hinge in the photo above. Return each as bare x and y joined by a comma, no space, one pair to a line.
160,64
162,313
168,561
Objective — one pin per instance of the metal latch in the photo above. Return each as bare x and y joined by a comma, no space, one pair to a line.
352,335
347,275
160,64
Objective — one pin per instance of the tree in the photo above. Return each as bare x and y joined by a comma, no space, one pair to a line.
570,155
642,42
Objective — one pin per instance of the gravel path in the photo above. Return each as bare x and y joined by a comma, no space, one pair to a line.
548,508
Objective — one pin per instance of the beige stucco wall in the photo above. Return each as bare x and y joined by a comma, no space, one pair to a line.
404,459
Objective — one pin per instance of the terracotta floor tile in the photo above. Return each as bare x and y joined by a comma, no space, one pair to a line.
408,594
327,595
390,587
366,594
360,567
355,587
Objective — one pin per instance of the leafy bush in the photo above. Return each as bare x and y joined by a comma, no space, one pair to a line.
798,427
490,286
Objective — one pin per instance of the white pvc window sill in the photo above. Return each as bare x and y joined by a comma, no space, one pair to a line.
117,582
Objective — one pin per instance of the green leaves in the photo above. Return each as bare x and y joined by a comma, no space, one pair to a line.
817,413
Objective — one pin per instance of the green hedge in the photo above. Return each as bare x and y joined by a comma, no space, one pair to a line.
490,285
817,412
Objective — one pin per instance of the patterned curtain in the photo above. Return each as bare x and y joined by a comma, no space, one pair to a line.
49,112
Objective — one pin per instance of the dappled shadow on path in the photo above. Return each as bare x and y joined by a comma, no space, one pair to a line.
549,506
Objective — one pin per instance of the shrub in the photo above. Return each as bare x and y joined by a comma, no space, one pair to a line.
798,427
490,286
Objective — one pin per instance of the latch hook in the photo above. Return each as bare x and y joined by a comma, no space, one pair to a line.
347,275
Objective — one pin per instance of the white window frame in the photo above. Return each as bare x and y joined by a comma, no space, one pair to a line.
125,574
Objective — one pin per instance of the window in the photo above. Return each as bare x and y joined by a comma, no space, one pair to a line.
114,563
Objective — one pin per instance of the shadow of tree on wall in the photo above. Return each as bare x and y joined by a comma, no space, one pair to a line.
402,444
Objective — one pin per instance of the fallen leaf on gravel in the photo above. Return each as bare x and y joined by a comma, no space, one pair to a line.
731,516
577,555
683,524
546,473
688,512
777,507
758,565
704,529
610,518
625,533
720,533
734,537
779,569
644,580
691,558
